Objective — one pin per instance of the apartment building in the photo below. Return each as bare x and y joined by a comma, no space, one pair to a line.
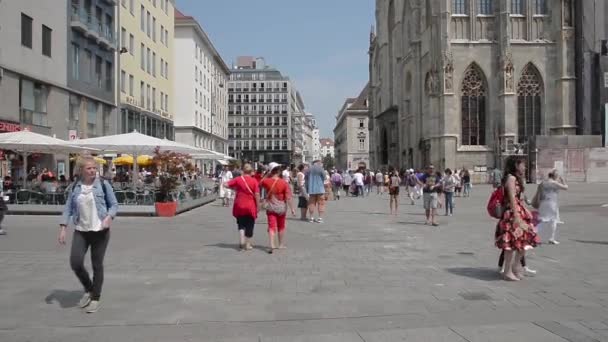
262,103
201,79
352,132
146,67
327,147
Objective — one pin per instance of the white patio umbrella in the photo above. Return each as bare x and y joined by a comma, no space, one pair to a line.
136,144
26,143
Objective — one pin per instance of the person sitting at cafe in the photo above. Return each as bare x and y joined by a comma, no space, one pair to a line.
8,184
63,181
49,185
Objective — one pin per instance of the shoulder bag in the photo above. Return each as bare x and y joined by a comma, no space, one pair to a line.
272,204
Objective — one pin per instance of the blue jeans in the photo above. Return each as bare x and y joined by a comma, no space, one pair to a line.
467,190
449,202
360,191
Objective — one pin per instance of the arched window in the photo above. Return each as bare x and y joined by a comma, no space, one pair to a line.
529,94
473,107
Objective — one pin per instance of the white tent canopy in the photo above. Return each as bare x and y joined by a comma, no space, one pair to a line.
26,143
137,144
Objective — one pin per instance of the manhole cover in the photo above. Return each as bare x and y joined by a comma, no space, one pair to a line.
475,296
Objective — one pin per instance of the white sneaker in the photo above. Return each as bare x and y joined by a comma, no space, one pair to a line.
2,231
553,242
93,307
319,220
85,300
501,270
311,220
529,271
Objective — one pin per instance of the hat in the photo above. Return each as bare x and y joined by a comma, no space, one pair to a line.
273,166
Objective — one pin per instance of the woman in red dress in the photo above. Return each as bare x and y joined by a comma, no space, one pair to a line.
278,199
246,204
515,232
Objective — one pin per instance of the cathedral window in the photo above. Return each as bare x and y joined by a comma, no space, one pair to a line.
517,7
460,7
473,105
484,7
529,99
540,7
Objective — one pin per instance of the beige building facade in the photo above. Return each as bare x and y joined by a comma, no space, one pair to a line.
464,83
351,134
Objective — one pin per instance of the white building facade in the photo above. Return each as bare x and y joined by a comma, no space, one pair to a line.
327,147
352,133
201,77
316,145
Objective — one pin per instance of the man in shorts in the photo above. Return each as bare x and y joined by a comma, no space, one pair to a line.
315,179
430,184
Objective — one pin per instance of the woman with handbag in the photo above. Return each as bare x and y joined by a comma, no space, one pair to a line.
278,199
515,232
246,204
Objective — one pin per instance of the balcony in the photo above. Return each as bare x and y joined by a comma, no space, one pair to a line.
268,112
284,112
107,38
261,112
93,29
245,89
79,19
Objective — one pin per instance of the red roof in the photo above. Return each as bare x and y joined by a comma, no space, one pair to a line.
180,15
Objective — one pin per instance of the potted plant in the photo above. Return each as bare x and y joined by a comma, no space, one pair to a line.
170,166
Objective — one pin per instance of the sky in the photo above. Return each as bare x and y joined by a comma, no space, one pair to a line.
320,44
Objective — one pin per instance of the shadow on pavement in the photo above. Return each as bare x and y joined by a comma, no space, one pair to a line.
412,223
66,299
480,273
592,242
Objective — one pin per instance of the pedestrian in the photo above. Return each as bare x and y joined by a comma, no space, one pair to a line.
515,233
412,186
278,199
246,205
496,178
393,192
379,183
359,182
368,181
315,187
466,183
449,185
430,185
302,194
336,183
3,210
91,206
348,181
548,210
439,190
225,192
458,188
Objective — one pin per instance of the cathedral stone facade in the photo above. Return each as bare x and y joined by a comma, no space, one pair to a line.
464,83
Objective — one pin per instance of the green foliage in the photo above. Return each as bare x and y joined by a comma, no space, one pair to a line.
329,162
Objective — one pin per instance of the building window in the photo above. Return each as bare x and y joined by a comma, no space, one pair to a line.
109,77
154,64
33,103
517,7
98,67
361,144
540,7
47,35
485,7
142,94
75,61
91,118
166,6
148,28
132,7
142,19
568,10
162,34
123,37
460,7
148,91
142,62
88,65
148,57
26,31
106,119
123,81
131,84
131,45
153,99
74,114
361,123
473,103
154,29
529,97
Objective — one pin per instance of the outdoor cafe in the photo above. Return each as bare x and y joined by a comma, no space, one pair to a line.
125,160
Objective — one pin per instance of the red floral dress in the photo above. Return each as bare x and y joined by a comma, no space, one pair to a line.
509,235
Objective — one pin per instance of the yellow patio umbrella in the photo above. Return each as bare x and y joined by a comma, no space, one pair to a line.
126,159
97,159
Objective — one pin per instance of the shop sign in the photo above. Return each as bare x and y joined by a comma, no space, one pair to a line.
9,127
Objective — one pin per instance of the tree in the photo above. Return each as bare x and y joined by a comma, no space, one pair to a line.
329,162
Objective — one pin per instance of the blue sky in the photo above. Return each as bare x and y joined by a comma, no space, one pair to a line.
320,44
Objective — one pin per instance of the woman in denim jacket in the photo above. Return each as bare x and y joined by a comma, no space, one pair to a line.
91,207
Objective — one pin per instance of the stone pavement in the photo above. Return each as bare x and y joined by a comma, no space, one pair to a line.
361,276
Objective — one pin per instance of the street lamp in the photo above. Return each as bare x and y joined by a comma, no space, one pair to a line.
221,85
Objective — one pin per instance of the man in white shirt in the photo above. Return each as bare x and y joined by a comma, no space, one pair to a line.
358,179
379,182
225,192
286,175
